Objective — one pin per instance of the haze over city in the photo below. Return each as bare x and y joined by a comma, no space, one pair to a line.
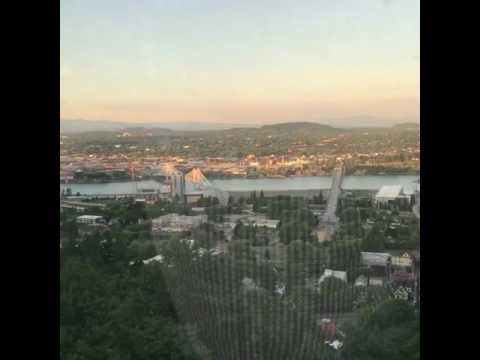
236,62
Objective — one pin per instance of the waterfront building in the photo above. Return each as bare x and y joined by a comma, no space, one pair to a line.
199,186
390,193
177,185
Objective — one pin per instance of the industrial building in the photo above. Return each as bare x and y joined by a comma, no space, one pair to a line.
90,219
390,193
260,221
176,223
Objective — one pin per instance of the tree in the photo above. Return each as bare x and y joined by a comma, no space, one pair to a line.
299,251
267,254
389,330
70,229
374,240
206,236
238,231
241,250
118,315
345,256
335,295
148,251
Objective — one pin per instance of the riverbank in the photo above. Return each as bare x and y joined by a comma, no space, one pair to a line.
298,185
309,194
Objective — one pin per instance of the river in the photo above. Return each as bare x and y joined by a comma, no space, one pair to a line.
246,185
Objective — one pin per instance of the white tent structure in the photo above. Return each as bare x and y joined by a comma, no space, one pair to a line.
196,176
196,182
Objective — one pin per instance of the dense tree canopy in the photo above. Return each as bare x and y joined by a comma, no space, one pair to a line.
391,330
112,310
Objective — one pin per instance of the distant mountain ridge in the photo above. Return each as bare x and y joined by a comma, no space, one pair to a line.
407,126
298,125
80,126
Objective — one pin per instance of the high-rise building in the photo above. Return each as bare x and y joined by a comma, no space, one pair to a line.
177,185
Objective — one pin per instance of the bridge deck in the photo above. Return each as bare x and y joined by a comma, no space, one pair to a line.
330,219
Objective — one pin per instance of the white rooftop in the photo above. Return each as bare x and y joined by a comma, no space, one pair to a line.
375,258
342,275
390,191
158,258
335,344
89,217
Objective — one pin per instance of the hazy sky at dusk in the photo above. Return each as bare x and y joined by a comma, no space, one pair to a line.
239,61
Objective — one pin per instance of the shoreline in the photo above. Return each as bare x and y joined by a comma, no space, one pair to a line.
307,193
121,181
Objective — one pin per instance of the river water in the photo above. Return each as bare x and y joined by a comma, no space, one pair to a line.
246,185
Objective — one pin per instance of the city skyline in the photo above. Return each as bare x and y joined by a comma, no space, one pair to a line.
224,61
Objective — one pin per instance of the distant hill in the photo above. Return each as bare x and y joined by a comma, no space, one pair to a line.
78,126
301,128
144,130
407,126
74,126
365,121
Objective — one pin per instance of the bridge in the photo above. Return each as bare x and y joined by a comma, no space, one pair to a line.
329,222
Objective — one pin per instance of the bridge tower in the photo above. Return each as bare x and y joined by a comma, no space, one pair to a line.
132,174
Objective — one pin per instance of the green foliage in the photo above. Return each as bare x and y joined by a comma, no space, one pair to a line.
391,330
297,222
216,213
206,236
244,232
241,250
164,207
110,310
70,229
312,258
319,199
374,240
335,295
141,250
207,201
345,256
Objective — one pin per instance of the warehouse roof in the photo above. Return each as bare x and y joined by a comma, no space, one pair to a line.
89,217
342,275
390,191
375,258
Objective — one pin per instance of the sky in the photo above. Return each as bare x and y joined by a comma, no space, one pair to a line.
249,61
